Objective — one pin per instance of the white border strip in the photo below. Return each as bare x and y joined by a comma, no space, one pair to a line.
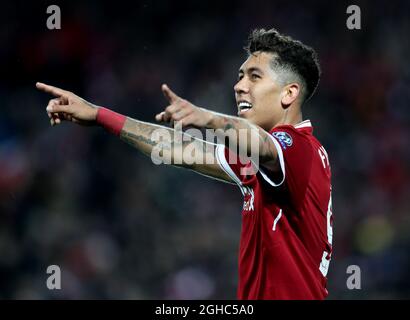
282,165
220,157
276,220
214,178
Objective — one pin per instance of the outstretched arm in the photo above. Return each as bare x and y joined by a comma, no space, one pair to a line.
168,146
225,126
163,144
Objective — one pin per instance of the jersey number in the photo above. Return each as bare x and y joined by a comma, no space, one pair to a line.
324,265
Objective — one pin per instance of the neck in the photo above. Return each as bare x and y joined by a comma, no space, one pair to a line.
290,117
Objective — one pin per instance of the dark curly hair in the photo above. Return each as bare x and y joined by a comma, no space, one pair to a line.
291,56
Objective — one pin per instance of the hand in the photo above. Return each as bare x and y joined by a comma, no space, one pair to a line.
67,106
183,111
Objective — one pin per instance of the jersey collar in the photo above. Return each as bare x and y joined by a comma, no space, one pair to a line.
305,125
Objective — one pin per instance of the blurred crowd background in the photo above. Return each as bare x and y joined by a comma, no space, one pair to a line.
121,227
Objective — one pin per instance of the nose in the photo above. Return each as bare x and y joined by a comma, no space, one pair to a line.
241,86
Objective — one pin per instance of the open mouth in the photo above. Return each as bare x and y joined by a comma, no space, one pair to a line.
244,106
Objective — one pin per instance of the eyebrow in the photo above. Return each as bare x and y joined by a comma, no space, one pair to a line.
250,70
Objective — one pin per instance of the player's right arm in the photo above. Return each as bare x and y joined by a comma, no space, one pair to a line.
150,139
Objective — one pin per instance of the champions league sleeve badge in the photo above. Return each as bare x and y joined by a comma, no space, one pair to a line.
284,138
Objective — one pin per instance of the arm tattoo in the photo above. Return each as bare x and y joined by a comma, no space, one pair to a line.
230,123
132,138
265,146
140,135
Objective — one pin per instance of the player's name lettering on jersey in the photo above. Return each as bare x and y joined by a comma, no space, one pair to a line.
323,156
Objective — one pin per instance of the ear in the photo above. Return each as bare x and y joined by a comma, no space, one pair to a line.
290,93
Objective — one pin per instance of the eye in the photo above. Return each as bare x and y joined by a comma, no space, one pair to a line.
255,76
240,77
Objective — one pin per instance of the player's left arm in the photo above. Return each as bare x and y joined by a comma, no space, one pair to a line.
232,129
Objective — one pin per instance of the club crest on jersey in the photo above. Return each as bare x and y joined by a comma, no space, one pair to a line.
284,138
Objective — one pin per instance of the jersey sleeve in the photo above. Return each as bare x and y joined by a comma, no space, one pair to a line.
295,158
232,164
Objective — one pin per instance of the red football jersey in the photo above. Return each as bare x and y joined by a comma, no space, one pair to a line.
286,236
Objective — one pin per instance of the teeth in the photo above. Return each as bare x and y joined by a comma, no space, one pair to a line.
244,105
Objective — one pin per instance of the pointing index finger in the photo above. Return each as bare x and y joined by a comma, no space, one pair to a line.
169,94
57,92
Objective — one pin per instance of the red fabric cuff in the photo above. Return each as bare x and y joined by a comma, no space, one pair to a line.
110,120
